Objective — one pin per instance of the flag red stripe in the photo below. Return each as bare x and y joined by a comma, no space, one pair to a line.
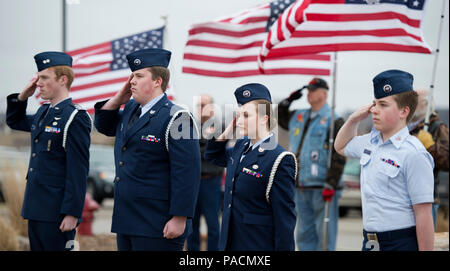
78,74
223,45
200,30
252,58
310,71
377,33
91,65
347,47
100,83
255,20
362,17
90,48
95,97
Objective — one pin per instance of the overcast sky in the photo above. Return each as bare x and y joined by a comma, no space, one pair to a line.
30,27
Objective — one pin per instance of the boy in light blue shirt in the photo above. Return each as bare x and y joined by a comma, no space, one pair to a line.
396,169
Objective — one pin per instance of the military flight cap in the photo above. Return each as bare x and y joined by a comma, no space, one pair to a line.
392,82
147,58
46,60
250,92
316,83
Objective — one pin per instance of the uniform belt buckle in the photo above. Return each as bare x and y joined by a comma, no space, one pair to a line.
372,237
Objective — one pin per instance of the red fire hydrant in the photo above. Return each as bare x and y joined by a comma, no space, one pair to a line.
90,206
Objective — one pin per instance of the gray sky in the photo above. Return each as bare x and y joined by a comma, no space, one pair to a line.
29,27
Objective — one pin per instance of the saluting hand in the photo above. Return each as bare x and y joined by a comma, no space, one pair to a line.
29,90
228,133
360,114
69,223
175,227
121,97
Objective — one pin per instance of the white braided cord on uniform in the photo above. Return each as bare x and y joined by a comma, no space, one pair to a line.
172,121
66,128
274,171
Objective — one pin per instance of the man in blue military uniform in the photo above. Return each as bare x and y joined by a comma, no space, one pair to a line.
309,131
157,158
396,169
59,163
258,206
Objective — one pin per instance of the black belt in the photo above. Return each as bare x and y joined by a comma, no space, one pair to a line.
390,235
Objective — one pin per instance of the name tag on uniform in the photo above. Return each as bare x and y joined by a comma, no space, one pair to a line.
252,173
368,152
150,138
50,129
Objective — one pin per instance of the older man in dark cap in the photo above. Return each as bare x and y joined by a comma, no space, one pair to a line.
309,132
157,157
59,163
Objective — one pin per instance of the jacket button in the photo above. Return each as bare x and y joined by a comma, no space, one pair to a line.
120,163
229,205
36,140
31,169
231,192
33,155
232,180
117,179
124,148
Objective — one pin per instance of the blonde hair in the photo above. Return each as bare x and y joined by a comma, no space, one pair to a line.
64,70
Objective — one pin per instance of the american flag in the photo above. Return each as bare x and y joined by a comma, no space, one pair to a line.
102,69
229,47
348,25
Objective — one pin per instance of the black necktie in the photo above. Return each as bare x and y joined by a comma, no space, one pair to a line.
247,150
43,115
135,116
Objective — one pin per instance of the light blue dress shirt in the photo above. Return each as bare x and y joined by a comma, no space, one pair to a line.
150,104
395,175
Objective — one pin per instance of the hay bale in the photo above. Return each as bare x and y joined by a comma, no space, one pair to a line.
441,241
8,237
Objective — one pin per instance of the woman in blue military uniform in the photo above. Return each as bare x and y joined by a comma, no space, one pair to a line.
59,162
259,207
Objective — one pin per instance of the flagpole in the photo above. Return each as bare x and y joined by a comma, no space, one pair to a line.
326,218
64,10
433,78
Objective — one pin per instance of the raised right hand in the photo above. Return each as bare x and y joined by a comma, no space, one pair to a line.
361,114
228,133
124,94
29,90
295,95
121,97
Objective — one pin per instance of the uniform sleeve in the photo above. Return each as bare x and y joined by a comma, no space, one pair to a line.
16,116
217,153
106,120
419,177
185,166
283,204
355,147
77,164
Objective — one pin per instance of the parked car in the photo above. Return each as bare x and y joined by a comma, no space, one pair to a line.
101,173
351,194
